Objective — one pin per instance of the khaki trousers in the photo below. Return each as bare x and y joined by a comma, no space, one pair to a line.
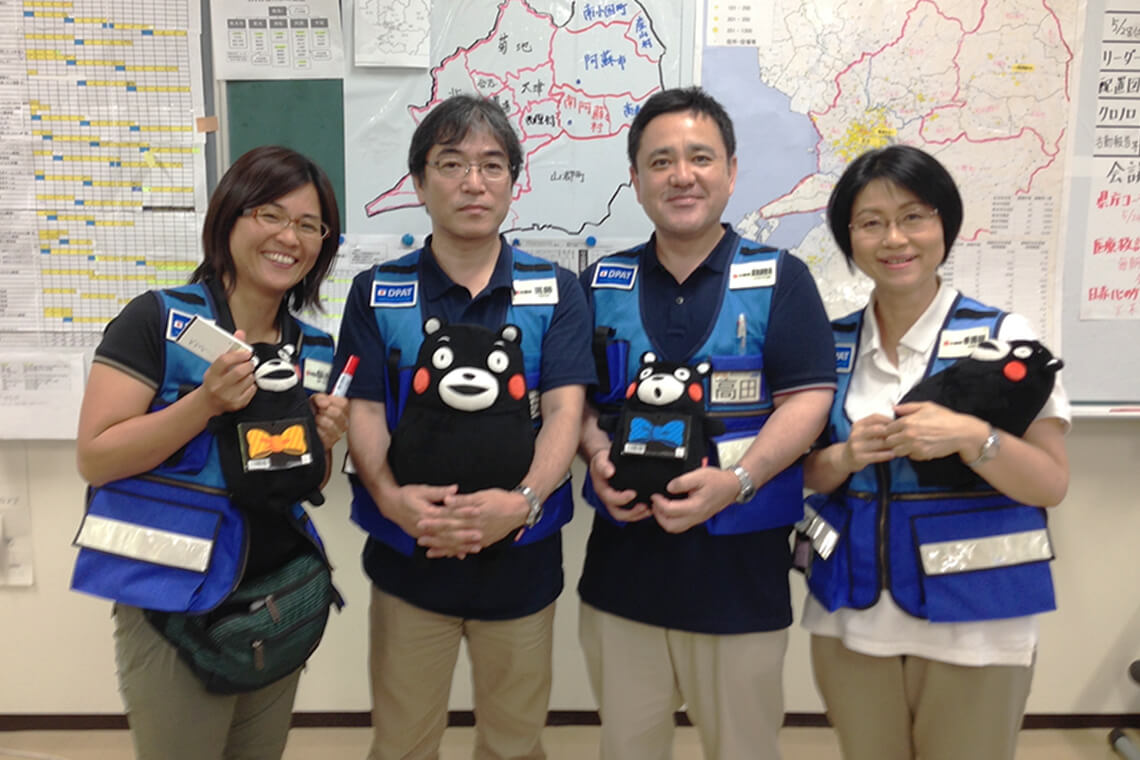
413,655
173,717
641,674
903,708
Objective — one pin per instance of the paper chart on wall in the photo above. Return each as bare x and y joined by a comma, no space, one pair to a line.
1110,280
40,395
390,33
285,39
16,566
103,166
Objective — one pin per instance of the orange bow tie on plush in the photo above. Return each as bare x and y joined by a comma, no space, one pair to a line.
289,441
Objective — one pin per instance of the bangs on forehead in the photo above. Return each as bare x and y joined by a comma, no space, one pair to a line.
453,133
894,186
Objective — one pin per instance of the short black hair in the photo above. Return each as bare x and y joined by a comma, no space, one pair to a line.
905,166
261,176
450,121
693,100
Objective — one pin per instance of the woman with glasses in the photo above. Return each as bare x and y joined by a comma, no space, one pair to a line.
915,658
151,408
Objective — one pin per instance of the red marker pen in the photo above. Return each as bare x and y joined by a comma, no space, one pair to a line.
345,379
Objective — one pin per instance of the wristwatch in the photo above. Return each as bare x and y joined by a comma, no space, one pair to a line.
989,449
747,487
531,497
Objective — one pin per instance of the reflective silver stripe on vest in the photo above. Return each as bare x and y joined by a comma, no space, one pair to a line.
161,547
959,556
822,535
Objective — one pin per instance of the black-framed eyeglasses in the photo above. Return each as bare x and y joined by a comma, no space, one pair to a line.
492,169
274,218
912,222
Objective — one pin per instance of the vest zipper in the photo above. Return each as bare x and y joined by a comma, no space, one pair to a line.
926,495
883,477
759,413
189,485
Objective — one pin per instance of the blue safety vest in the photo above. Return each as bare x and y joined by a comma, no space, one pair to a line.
170,540
737,389
400,314
966,555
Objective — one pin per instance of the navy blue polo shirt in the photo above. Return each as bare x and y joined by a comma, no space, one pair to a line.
499,584
694,581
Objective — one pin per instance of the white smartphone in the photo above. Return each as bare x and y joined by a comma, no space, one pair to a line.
205,339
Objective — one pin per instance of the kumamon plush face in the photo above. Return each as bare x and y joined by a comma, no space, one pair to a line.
669,383
469,369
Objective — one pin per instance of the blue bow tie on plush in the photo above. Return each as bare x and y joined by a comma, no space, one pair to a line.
642,430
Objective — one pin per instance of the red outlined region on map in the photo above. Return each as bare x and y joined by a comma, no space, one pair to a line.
575,83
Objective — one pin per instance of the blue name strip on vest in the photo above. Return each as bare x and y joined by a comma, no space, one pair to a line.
615,276
394,294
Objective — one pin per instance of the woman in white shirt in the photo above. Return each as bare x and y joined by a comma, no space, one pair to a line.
922,596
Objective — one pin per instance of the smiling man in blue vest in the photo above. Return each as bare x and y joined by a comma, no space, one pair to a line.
446,564
685,595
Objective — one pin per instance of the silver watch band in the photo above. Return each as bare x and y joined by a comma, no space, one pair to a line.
747,487
532,500
989,448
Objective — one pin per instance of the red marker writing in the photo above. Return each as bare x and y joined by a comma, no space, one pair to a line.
345,379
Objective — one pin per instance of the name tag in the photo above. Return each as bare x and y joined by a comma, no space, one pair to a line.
736,387
757,274
538,292
316,376
176,322
844,357
394,295
955,344
621,276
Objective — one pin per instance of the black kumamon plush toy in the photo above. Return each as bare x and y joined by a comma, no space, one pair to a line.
270,452
1004,383
467,419
662,431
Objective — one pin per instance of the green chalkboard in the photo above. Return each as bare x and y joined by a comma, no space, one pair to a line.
306,115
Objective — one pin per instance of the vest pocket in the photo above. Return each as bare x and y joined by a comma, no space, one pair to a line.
613,373
984,564
776,504
397,386
154,545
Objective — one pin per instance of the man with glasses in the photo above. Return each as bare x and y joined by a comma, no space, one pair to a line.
434,579
685,599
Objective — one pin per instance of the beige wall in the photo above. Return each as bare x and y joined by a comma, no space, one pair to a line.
56,652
